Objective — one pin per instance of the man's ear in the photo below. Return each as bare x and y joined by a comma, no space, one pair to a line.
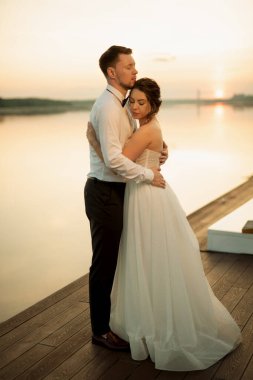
111,72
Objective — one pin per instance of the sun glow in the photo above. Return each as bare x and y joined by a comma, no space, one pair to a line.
54,52
219,93
219,110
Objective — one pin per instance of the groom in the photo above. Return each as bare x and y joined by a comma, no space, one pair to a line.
105,186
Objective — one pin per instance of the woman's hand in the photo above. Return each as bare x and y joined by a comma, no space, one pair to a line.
91,134
164,154
93,141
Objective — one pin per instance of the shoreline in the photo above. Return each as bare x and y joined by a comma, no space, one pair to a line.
39,106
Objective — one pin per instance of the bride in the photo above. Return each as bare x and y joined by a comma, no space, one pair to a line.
161,301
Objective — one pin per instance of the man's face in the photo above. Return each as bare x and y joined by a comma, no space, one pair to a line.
125,71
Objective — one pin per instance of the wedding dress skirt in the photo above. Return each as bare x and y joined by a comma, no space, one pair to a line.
162,303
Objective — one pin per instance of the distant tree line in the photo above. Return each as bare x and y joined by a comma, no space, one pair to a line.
41,106
32,106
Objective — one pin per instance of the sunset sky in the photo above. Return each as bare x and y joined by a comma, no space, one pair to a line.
50,48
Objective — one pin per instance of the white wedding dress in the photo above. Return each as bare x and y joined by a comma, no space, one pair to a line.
161,301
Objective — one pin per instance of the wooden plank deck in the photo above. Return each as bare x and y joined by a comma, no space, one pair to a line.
52,339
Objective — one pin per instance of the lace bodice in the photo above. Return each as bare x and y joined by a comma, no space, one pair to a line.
149,159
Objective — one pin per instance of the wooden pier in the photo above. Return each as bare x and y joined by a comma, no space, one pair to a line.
52,339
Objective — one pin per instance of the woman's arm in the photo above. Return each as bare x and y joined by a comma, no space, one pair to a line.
138,142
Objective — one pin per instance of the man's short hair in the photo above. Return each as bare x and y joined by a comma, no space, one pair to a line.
110,57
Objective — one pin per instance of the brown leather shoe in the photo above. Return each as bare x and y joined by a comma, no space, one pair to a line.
112,342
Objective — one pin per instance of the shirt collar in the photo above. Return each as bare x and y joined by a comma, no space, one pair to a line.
115,92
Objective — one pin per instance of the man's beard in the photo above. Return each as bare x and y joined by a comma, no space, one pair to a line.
126,87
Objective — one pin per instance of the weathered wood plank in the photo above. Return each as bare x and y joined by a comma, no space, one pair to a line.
210,261
75,363
233,366
145,370
248,373
25,361
122,369
170,375
70,328
235,272
222,206
231,299
101,362
42,305
61,353
219,270
38,334
246,280
206,374
244,308
38,320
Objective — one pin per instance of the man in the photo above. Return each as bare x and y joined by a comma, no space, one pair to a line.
105,186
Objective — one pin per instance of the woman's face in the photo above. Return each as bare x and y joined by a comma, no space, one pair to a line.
139,105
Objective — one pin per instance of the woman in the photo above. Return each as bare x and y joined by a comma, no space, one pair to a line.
161,301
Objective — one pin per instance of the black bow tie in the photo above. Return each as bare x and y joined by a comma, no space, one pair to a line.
124,101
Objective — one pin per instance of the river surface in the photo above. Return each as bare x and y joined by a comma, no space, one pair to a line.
44,160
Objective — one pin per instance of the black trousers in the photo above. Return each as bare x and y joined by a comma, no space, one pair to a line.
104,209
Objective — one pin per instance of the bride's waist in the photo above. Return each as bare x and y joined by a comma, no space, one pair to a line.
150,164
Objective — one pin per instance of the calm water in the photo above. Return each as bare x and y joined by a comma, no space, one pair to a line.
45,241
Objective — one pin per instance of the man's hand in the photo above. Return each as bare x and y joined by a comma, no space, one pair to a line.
158,179
164,154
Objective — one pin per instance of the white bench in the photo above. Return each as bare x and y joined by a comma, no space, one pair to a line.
226,234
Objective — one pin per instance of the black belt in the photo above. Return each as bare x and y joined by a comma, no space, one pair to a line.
106,182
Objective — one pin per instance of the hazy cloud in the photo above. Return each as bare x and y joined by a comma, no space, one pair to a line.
164,58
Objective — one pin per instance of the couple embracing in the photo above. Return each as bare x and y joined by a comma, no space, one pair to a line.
147,287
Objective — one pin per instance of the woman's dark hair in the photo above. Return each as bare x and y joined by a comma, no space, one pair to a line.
152,92
111,56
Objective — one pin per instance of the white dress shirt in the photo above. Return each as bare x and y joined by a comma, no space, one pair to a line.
114,126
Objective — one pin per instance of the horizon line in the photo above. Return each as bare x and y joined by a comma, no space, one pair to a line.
241,96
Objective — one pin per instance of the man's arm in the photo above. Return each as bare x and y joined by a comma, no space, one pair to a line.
112,128
157,180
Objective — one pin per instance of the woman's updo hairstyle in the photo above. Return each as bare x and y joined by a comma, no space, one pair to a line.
152,92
